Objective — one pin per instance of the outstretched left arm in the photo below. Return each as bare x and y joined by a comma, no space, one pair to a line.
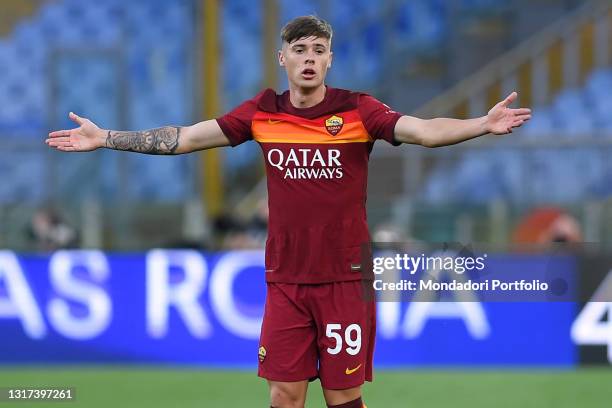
437,132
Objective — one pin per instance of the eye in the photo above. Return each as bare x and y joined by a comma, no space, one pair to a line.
299,51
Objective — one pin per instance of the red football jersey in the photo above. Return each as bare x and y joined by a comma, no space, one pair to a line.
317,167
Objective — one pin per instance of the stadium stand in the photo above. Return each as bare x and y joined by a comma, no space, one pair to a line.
91,50
561,175
105,60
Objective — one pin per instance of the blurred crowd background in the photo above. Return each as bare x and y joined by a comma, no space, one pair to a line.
146,63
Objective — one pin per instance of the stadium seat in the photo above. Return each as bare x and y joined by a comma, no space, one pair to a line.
563,175
158,69
542,122
159,87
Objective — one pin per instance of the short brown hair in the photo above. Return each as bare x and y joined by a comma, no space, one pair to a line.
304,27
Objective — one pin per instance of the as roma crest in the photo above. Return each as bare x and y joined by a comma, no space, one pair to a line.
334,125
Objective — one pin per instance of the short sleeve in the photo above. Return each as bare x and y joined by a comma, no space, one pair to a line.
236,125
378,118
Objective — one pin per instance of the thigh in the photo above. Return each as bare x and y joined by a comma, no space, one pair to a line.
346,329
287,347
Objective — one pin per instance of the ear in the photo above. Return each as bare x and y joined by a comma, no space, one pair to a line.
331,57
281,58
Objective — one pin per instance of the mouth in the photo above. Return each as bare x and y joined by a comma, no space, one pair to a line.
308,73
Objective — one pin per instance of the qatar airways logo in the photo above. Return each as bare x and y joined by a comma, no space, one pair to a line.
301,164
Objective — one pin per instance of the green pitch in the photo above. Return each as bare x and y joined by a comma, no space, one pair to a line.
152,387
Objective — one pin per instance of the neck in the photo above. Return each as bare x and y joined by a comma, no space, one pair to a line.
306,97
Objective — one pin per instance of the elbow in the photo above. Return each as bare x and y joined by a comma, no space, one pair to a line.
429,142
184,141
419,141
415,139
423,134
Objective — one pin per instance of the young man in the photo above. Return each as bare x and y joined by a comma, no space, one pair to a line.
316,142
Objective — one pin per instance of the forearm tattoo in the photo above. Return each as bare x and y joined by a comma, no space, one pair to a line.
164,140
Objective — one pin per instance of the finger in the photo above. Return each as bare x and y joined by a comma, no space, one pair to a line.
59,133
58,139
55,144
76,118
66,148
521,111
523,117
509,99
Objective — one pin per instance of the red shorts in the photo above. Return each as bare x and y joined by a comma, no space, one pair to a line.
323,331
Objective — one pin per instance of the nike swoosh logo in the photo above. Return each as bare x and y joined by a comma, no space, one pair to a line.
273,122
351,371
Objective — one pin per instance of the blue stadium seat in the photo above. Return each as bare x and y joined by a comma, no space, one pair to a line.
579,123
158,63
438,186
599,81
541,122
241,81
569,101
290,9
156,42
27,180
601,107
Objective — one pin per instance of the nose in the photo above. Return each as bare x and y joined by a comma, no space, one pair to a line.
310,57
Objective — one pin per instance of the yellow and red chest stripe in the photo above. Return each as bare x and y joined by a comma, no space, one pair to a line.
285,128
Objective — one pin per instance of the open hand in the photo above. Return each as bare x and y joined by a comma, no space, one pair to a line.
501,119
87,137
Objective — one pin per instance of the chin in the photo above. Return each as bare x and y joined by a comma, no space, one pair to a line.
308,84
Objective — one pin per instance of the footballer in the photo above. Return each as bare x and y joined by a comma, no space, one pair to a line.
316,141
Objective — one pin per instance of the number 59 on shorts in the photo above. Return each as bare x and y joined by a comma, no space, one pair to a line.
352,338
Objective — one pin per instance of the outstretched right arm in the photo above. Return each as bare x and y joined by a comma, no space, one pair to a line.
165,140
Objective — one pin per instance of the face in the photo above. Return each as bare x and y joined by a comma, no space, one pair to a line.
306,61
